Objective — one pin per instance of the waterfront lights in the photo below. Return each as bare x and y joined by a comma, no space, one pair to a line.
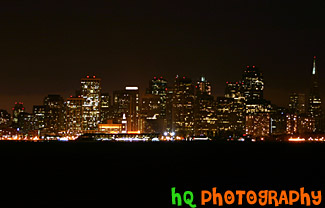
131,88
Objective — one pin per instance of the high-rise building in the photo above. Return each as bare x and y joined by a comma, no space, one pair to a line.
315,103
155,101
203,86
223,110
297,103
74,115
253,84
158,86
151,118
5,119
234,91
54,114
306,124
16,110
183,107
25,122
105,107
258,117
169,109
292,123
39,116
258,125
205,115
91,92
126,102
278,124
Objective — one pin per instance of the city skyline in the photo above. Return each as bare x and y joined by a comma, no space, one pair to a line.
46,44
182,108
143,86
161,103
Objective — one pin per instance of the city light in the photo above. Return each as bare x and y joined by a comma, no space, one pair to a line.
187,111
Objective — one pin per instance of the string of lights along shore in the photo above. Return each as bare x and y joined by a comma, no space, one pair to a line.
178,110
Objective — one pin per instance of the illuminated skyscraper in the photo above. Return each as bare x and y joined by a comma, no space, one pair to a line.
16,110
183,106
315,103
4,119
234,92
105,107
151,118
258,117
25,122
158,86
258,125
253,84
205,115
297,103
39,116
74,115
91,92
204,109
278,124
126,102
54,113
154,106
203,86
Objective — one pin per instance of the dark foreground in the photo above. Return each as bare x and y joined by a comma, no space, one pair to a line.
142,174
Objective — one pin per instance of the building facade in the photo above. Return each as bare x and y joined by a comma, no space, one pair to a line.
91,93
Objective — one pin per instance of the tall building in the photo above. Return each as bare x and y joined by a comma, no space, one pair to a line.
74,115
169,109
126,102
203,86
205,115
258,118
54,114
158,86
292,123
223,110
16,110
278,124
105,107
297,103
258,125
315,103
39,117
151,118
234,92
204,109
5,119
183,107
155,101
25,122
91,92
253,83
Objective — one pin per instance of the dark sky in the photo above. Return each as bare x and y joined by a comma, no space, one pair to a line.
47,46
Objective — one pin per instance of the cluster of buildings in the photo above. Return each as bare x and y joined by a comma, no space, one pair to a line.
183,108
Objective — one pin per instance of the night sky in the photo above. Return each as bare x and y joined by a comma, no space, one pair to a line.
47,46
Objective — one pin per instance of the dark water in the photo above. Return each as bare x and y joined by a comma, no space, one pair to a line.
142,174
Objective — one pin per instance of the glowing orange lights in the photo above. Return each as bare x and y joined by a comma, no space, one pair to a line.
133,132
296,139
